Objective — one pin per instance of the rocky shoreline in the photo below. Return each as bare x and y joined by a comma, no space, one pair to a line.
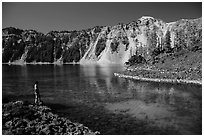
157,78
22,118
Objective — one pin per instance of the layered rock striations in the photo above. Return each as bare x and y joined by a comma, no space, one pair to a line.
101,44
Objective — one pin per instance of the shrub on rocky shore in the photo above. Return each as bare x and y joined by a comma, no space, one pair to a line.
20,118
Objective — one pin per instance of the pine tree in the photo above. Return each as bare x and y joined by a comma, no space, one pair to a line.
152,39
180,41
167,42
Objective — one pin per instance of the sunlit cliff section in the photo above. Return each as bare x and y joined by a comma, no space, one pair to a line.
100,44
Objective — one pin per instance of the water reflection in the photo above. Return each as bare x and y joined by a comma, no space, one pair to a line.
165,104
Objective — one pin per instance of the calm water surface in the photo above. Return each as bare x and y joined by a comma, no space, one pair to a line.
92,95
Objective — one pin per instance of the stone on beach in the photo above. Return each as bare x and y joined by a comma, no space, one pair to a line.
18,118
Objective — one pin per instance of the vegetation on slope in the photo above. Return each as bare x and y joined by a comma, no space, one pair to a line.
71,46
101,45
182,64
183,60
37,47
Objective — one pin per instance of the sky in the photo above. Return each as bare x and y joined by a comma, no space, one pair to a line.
60,16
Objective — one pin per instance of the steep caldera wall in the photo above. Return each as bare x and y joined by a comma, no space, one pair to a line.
107,44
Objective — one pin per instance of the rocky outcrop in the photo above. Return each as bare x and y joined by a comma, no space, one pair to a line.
20,118
140,78
101,44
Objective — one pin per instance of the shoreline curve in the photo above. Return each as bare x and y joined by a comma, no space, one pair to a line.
181,81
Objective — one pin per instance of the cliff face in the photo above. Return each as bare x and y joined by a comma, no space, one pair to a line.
108,44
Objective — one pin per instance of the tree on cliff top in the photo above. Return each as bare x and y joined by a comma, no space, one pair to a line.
152,40
167,42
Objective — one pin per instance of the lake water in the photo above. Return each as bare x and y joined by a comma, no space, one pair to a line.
93,96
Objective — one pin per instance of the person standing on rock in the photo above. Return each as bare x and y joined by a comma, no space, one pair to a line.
37,94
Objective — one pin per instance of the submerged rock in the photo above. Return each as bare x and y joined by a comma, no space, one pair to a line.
20,118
